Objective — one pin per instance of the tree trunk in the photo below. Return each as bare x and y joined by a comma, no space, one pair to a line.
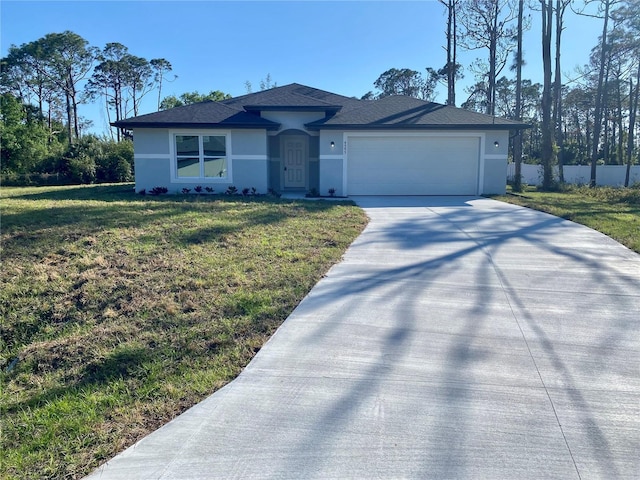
619,150
557,91
633,111
517,139
69,118
493,46
547,128
452,86
597,124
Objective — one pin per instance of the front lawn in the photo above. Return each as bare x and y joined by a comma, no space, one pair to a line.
612,211
121,311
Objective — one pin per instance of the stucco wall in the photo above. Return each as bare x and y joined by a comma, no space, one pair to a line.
502,137
292,120
250,173
331,175
151,141
495,172
152,172
248,142
247,161
326,137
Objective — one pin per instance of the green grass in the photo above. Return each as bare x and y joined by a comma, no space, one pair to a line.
612,211
121,311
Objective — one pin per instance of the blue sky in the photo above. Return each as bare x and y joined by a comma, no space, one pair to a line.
213,45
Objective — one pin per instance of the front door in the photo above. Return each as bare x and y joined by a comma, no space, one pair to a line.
295,153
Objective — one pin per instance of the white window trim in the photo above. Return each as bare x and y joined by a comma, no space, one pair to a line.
204,180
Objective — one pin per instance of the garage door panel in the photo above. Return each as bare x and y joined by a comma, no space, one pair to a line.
412,165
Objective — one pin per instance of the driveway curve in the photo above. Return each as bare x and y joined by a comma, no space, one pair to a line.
460,337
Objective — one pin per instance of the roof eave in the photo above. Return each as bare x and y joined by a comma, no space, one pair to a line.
131,125
368,126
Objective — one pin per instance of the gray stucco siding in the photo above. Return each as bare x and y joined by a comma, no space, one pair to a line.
328,136
250,174
331,175
248,142
292,120
495,174
148,141
500,136
152,172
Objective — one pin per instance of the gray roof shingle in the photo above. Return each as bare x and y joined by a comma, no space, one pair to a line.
203,114
394,112
412,113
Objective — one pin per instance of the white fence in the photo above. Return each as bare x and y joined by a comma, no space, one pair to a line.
611,175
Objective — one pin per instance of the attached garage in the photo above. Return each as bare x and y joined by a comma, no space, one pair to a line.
418,164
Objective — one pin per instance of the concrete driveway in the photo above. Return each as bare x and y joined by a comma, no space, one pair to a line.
459,338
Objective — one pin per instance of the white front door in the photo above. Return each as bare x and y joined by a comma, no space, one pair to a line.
295,152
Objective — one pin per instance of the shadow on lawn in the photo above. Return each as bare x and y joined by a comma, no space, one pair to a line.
99,208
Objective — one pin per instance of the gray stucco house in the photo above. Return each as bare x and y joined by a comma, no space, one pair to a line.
298,138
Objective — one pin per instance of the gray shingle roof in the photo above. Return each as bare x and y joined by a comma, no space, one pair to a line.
294,95
395,112
203,114
412,113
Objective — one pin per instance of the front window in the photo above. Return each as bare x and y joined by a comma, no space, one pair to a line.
201,156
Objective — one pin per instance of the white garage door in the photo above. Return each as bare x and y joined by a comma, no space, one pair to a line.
412,165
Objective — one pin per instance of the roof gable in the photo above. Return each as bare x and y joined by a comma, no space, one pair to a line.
293,96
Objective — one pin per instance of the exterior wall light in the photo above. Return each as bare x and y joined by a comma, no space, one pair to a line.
496,144
333,144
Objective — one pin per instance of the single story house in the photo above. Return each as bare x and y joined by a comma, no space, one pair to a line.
299,138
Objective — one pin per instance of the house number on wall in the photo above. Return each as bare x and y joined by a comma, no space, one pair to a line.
345,148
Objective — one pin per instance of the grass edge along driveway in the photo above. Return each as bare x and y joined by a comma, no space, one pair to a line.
612,211
121,311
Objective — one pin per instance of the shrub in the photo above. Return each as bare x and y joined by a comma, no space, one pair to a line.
158,190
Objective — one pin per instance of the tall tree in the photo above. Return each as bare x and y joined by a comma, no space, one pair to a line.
452,67
69,61
407,82
488,25
628,16
605,5
517,139
123,79
109,80
561,6
139,79
160,67
547,128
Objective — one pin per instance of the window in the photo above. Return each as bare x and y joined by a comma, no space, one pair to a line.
201,156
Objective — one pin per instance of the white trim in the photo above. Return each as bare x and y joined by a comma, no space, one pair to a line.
481,165
249,157
331,157
200,132
480,135
345,160
152,156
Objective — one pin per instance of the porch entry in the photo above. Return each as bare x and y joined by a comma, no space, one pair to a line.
296,152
